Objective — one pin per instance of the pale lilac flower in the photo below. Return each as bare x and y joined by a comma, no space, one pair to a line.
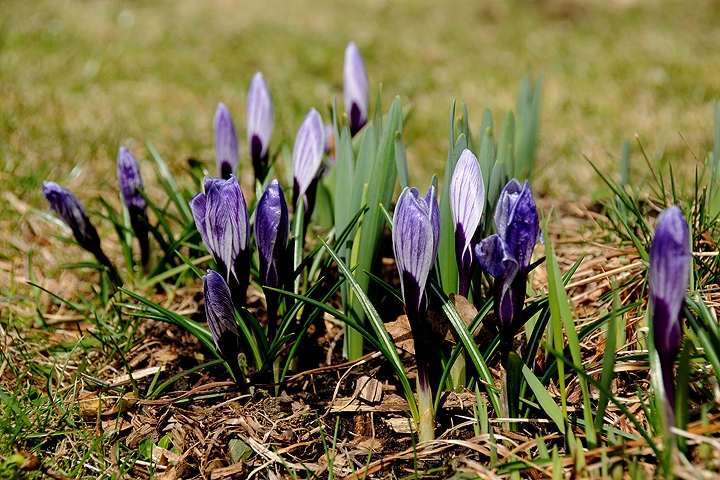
355,86
307,157
467,200
226,143
260,122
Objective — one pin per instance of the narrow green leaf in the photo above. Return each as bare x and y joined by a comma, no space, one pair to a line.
544,399
401,160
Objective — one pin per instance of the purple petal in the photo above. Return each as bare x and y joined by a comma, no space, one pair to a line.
308,151
505,205
523,228
670,261
355,86
434,213
69,210
260,117
221,315
226,143
272,229
130,181
467,200
414,243
495,256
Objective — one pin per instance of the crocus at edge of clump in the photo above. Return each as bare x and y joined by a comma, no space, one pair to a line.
670,261
130,183
416,236
260,122
272,229
506,256
221,217
220,315
355,88
227,154
307,158
70,210
467,201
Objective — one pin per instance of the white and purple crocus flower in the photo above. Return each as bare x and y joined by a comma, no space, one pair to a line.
131,184
355,87
220,315
260,122
226,142
221,217
416,236
507,255
307,158
467,201
670,260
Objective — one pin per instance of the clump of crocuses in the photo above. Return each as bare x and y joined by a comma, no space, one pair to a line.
221,320
467,201
226,143
70,210
260,122
307,158
507,255
355,88
131,184
221,217
416,236
272,229
670,260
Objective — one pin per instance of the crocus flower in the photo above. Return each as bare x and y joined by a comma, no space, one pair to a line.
71,211
226,143
416,236
307,158
260,120
467,200
221,217
221,321
130,182
506,256
670,260
272,229
355,86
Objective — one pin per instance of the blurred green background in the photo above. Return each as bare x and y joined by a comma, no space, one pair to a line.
80,78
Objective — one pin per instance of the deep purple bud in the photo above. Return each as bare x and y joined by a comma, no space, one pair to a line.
355,86
221,217
260,121
467,201
226,144
670,260
220,316
507,254
131,184
308,154
130,181
70,211
416,236
272,229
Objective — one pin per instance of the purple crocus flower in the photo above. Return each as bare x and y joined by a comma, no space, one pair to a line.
220,316
221,217
506,256
272,229
355,86
416,236
670,260
260,121
467,200
71,211
307,158
130,183
226,143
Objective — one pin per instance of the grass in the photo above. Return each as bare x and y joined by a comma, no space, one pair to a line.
79,79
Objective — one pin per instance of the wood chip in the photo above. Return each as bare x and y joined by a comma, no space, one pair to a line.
233,471
368,389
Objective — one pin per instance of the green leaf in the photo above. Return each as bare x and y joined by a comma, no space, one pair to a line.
401,160
505,151
544,399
